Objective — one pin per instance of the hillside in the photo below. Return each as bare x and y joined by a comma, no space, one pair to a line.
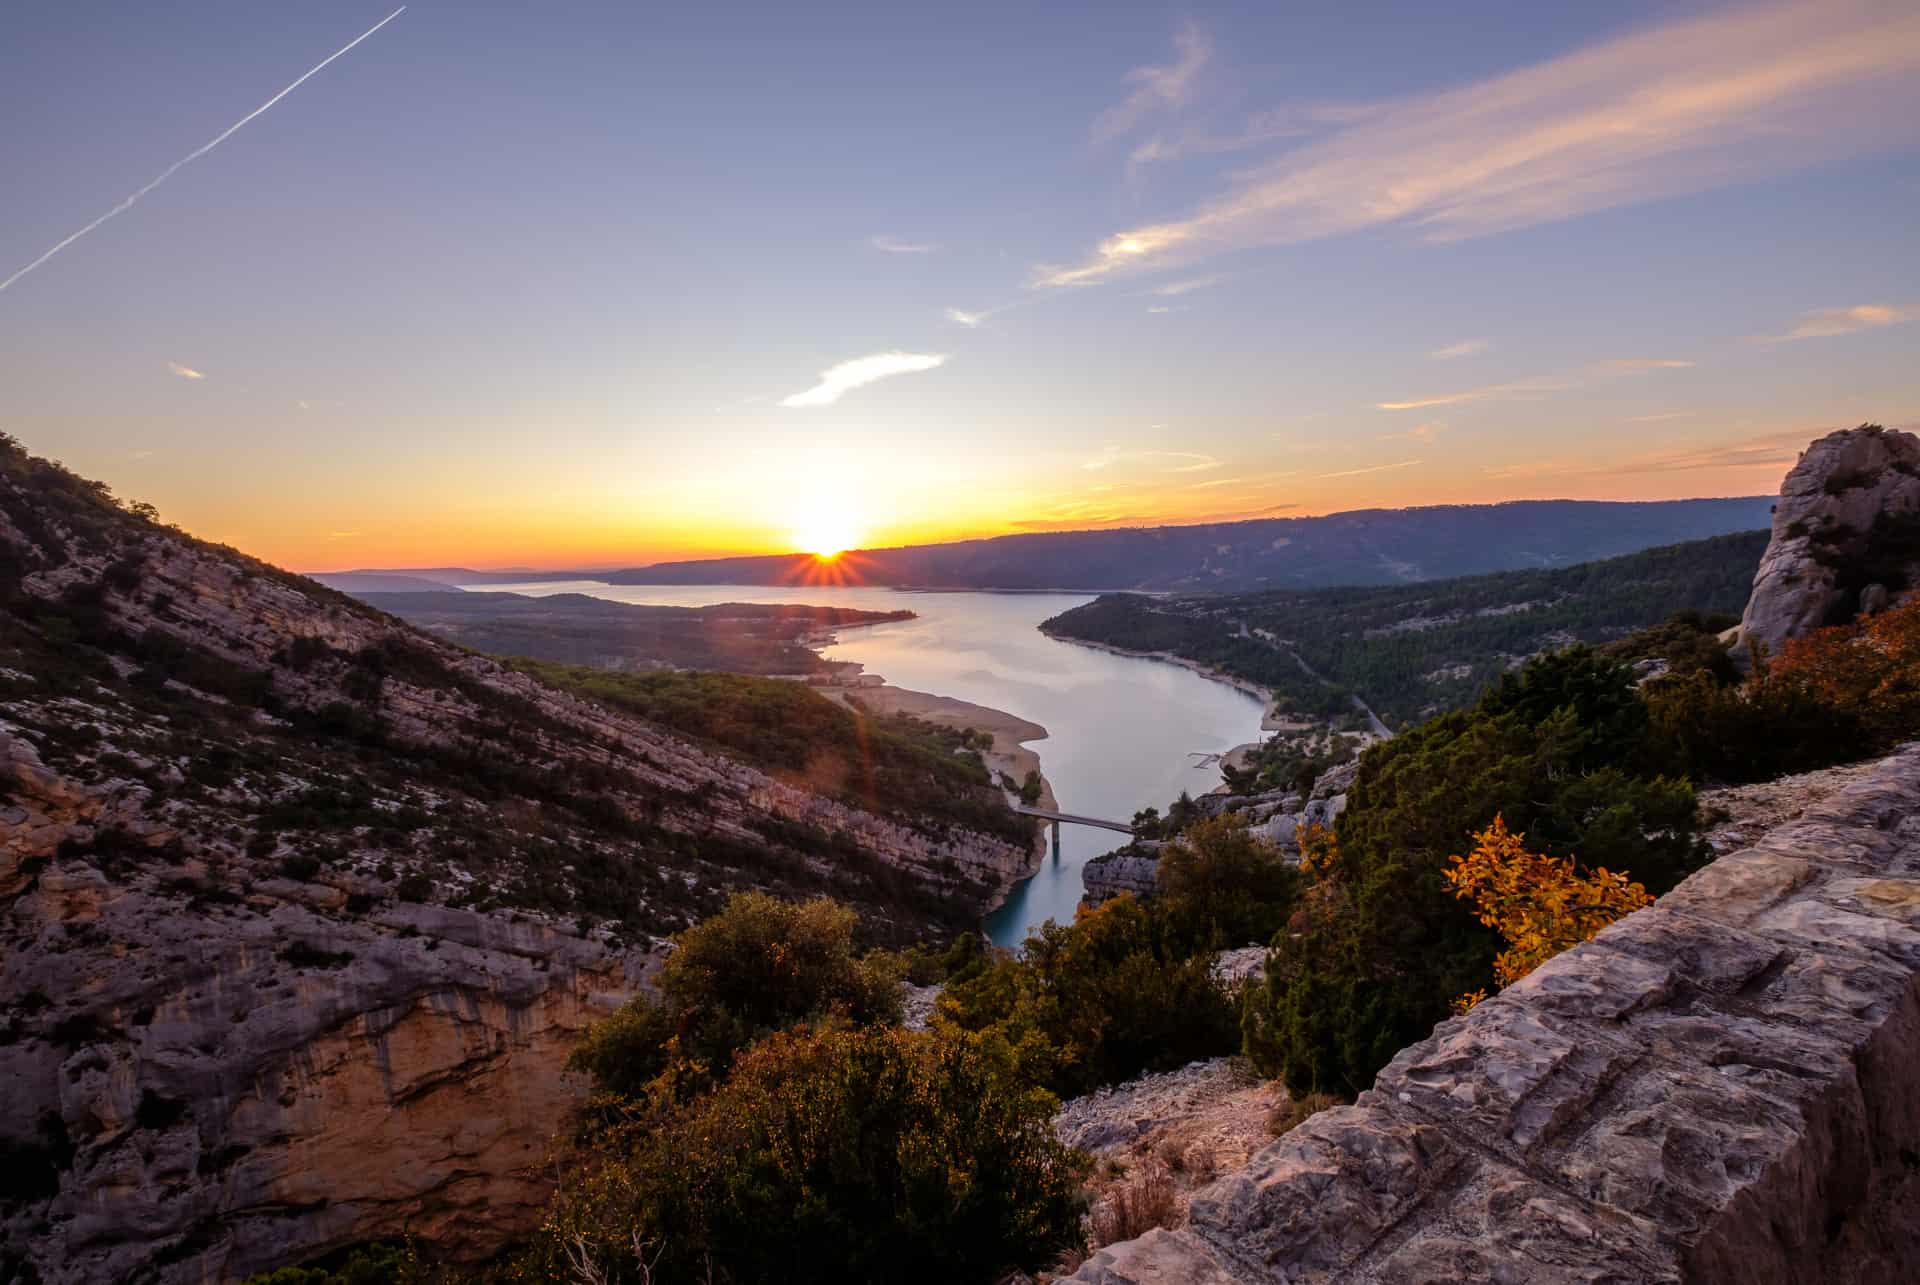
1413,650
288,885
576,629
1364,547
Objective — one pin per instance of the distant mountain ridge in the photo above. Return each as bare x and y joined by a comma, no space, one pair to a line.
1359,547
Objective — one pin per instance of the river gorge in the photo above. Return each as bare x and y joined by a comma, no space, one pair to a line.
1122,731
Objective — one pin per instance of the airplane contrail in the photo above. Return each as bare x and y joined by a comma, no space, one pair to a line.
202,150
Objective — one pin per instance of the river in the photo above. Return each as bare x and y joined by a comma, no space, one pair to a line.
1120,727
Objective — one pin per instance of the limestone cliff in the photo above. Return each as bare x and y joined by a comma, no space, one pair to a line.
1717,1088
300,909
1846,535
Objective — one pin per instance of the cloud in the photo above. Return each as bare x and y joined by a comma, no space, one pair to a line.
1418,433
1161,307
1378,468
1769,451
1176,288
971,320
1655,419
1188,461
1466,348
1518,388
894,245
1825,323
1682,107
185,372
837,381
130,201
1628,365
1158,89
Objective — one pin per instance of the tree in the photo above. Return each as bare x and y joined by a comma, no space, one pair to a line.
759,965
1539,905
1220,887
1097,1001
829,1155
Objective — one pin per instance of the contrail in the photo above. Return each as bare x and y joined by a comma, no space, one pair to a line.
200,151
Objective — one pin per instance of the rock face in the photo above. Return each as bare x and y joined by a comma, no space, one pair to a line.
1133,869
1844,536
301,910
1717,1088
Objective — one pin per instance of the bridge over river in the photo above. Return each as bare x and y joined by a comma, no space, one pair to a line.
1070,818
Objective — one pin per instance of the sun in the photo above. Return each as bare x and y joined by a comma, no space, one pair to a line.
825,535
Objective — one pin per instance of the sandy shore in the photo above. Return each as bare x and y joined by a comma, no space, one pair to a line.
1270,720
1010,732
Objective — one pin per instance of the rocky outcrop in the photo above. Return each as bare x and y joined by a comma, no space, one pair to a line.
1133,870
1717,1088
1846,536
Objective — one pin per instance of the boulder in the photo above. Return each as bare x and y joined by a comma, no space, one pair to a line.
1853,494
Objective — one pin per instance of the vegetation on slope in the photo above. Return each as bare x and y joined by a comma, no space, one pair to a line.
312,762
897,766
1415,650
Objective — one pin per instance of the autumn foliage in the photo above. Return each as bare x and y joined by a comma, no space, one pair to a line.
1869,669
1539,905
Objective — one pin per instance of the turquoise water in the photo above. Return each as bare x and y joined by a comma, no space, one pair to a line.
1120,728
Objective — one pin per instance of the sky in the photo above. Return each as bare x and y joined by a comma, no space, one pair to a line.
592,283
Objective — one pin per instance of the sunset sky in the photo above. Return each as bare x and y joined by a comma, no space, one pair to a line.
590,283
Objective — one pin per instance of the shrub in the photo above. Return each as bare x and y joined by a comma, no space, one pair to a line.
1220,887
828,1155
1379,948
1097,1001
759,965
1135,1205
1294,1112
1537,904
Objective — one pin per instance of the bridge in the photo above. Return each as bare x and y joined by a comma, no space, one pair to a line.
1069,818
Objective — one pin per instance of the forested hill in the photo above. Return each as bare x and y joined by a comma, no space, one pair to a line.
1363,547
1412,650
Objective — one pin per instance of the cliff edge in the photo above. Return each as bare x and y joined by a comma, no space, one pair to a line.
1717,1088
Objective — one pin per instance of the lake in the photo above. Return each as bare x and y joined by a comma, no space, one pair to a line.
1121,728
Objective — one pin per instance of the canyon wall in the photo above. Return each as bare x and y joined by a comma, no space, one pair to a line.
1721,1087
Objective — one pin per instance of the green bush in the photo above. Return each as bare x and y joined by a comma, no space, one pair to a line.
1567,752
1097,1001
757,966
1221,888
828,1155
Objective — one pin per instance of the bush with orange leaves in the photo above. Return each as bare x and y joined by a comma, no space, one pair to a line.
1540,905
1869,669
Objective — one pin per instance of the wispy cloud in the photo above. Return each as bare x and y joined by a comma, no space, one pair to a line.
1465,348
1519,388
837,381
1167,461
1768,451
971,320
1173,289
1163,307
1541,385
1825,323
1655,419
1628,365
185,372
202,150
1681,107
1378,468
1158,89
894,245
1418,433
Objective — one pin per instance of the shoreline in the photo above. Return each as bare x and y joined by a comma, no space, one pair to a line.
1008,756
1269,719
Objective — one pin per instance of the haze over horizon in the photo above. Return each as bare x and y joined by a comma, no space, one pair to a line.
498,286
